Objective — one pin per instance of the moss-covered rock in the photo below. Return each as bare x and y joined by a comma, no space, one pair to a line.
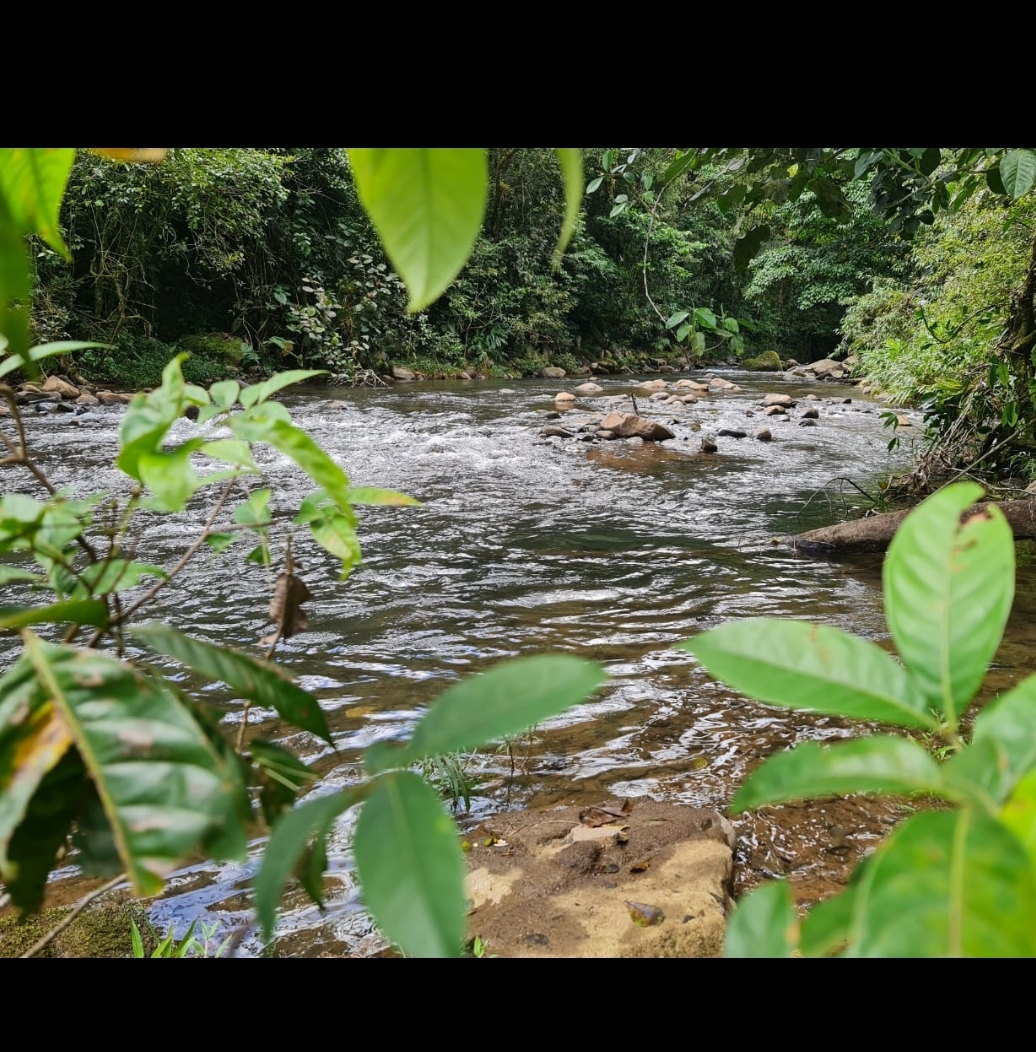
767,362
101,931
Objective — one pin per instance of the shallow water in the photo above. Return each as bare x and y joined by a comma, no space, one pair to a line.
524,544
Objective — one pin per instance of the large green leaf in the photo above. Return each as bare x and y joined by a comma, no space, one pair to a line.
32,183
1018,171
427,206
947,884
828,924
258,681
165,791
806,666
948,591
291,837
1003,744
878,764
411,867
257,393
505,700
76,611
1019,815
764,924
571,161
45,350
258,426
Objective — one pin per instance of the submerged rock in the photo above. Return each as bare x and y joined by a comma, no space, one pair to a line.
628,425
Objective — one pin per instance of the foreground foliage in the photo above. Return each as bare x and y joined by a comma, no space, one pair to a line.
959,881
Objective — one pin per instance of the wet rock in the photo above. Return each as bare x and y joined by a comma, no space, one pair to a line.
589,389
808,422
656,396
691,385
628,425
826,369
730,432
904,421
553,372
718,383
552,416
812,398
778,399
403,374
62,387
564,396
653,385
708,445
776,410
555,431
689,399
763,435
113,397
607,436
811,414
549,884
790,363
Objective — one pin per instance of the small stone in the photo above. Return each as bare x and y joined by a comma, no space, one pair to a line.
763,435
708,445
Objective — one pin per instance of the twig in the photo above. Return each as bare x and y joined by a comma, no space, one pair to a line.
81,905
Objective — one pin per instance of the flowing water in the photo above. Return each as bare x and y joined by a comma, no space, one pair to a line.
610,551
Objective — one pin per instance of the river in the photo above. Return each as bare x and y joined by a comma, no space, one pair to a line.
527,544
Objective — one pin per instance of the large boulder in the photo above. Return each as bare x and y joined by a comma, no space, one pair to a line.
553,372
653,385
62,387
589,389
628,425
778,399
403,374
767,362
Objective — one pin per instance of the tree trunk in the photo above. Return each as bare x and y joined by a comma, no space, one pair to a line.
874,533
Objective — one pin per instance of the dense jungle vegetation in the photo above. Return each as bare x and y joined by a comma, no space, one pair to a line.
255,260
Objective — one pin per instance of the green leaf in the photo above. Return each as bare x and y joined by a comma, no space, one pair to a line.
683,331
149,417
764,924
32,852
75,611
259,681
282,777
46,350
115,575
678,166
372,495
1003,744
255,427
218,542
1019,815
231,451
224,394
571,162
948,591
255,511
170,476
335,534
281,380
1018,171
816,667
676,318
291,836
427,206
32,183
165,791
731,325
505,700
877,764
15,573
828,924
705,318
594,184
746,248
946,884
411,867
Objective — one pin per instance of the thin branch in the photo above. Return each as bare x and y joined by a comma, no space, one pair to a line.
184,559
81,905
